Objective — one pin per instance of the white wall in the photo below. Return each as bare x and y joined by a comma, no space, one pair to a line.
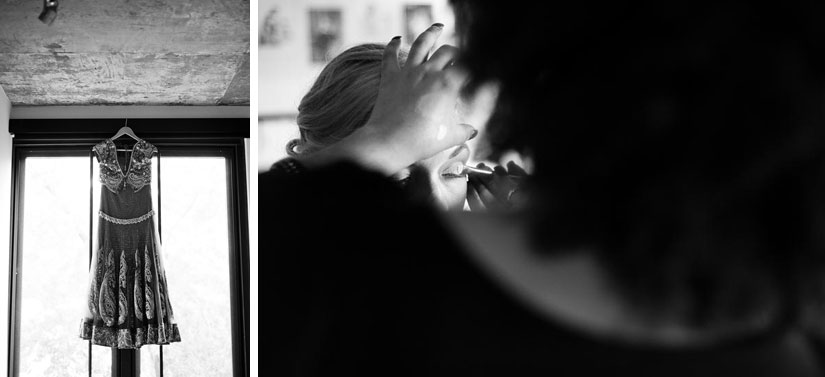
5,226
286,70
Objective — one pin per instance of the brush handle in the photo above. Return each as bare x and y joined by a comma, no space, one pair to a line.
471,170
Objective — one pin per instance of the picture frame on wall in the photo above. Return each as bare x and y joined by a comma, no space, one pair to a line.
325,26
274,31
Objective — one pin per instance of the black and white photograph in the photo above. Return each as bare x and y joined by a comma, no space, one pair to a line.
436,188
492,188
124,178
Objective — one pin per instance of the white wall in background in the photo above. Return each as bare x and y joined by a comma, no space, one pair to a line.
286,70
5,226
273,134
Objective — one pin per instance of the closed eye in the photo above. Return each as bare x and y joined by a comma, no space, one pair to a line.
403,176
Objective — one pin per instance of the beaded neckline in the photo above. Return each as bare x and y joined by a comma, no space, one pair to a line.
131,156
138,173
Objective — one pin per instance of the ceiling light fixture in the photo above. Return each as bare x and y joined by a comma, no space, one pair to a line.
49,12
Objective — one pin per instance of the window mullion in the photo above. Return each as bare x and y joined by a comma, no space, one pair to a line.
91,224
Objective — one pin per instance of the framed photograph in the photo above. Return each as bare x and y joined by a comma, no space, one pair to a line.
325,33
417,18
273,31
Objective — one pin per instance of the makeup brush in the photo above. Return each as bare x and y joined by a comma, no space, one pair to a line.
471,170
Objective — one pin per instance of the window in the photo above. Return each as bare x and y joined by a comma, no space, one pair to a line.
202,201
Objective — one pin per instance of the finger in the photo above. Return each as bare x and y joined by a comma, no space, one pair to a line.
518,198
442,58
515,169
453,135
488,198
422,45
480,176
456,76
389,62
473,200
500,184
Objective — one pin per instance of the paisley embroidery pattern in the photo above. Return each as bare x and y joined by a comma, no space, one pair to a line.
107,293
150,307
140,337
138,287
129,338
93,290
124,339
123,307
150,297
91,299
161,302
100,265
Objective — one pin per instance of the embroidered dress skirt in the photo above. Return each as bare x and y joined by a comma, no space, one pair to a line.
128,301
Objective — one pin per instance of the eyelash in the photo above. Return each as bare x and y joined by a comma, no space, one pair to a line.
451,175
406,180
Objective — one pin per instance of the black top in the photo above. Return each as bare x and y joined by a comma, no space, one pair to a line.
364,282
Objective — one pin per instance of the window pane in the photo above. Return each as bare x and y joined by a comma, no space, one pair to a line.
150,359
101,361
54,269
195,250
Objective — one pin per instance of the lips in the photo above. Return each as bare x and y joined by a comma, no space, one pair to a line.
455,163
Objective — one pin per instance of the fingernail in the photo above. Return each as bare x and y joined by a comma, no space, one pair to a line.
475,133
438,25
396,37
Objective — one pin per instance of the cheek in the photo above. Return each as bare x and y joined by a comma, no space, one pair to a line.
450,192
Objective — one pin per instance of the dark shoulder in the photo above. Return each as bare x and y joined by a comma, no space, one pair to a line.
340,186
341,204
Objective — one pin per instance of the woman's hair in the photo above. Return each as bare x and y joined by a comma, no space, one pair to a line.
683,143
341,99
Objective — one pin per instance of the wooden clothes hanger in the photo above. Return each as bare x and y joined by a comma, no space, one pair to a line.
125,130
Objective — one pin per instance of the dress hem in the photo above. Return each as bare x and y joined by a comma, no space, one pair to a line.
129,338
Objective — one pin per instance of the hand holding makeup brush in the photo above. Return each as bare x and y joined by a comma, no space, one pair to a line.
496,191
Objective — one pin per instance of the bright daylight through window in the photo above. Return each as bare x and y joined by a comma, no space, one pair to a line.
53,266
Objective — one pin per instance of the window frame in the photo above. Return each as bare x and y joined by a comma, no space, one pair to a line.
173,137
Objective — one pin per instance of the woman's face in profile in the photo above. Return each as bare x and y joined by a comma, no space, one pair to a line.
447,184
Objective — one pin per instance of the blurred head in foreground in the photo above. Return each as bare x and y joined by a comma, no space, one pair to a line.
683,145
